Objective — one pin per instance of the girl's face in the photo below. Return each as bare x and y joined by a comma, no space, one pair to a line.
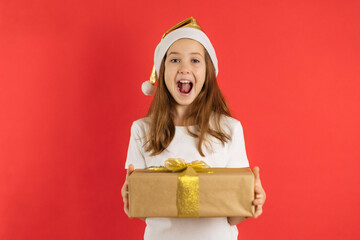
185,70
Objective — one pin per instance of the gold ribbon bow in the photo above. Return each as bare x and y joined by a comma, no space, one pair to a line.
187,184
178,164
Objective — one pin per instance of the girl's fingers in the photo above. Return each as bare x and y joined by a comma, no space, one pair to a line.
260,193
258,211
258,202
130,170
124,190
259,197
256,172
125,195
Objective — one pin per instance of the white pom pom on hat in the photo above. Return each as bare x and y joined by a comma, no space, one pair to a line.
189,28
148,88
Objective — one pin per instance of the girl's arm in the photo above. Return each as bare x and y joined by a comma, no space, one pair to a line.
260,197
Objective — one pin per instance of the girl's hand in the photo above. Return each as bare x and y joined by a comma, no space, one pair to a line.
260,195
259,201
124,190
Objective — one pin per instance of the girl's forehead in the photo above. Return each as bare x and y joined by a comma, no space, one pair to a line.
186,45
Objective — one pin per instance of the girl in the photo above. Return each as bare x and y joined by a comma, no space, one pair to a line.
188,119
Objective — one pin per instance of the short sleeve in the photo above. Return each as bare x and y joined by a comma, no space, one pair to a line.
135,153
237,154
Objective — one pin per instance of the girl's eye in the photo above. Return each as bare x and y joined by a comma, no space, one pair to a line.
195,61
174,60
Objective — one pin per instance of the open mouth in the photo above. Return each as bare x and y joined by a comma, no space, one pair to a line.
184,86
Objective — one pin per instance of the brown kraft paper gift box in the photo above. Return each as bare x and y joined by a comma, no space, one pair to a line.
218,192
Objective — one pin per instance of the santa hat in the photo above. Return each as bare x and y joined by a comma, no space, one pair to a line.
188,28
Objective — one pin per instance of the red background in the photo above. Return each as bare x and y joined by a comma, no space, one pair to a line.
70,76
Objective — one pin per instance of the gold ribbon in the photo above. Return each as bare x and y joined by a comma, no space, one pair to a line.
187,200
178,164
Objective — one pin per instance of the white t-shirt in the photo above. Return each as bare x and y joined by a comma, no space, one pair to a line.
231,155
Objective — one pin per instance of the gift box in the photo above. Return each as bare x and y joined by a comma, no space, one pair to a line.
191,192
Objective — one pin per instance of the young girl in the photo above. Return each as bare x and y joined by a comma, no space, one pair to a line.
188,119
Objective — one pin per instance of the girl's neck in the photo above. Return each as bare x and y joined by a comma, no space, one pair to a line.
179,115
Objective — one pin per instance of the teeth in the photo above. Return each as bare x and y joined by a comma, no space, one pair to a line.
184,81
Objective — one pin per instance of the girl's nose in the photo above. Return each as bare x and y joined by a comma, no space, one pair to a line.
184,69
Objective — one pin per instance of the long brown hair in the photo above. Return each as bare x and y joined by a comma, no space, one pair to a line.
210,103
